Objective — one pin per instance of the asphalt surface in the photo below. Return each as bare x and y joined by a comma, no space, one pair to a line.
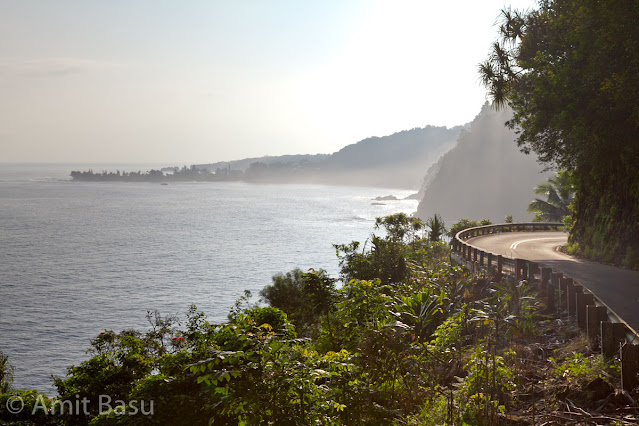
618,288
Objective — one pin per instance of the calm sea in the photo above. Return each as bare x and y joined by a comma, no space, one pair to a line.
77,258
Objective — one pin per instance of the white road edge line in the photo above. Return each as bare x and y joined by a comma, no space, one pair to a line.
516,243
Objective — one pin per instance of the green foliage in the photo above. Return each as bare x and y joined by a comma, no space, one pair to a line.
570,71
308,298
400,227
509,309
508,218
578,367
435,411
448,338
387,258
364,305
420,313
6,373
465,224
484,392
386,261
391,258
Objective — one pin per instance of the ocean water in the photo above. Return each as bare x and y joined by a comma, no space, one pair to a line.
80,257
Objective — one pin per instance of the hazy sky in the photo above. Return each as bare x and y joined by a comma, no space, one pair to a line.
181,82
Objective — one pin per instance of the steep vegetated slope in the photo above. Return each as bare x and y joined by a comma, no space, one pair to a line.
483,176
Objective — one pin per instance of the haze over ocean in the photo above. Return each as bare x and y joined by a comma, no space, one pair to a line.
78,258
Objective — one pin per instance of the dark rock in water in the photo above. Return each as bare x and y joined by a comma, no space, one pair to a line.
378,204
386,198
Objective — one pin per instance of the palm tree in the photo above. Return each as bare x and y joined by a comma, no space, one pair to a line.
437,227
559,193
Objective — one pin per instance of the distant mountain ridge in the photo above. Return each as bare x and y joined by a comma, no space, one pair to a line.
245,163
408,146
398,160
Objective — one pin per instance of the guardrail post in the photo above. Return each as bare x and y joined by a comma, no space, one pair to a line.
518,268
594,316
585,300
550,292
629,366
490,260
481,257
612,334
545,280
532,267
474,255
500,263
555,277
563,292
571,298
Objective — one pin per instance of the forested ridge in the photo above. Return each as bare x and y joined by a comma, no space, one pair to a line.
394,161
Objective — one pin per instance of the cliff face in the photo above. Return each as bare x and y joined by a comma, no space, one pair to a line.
484,176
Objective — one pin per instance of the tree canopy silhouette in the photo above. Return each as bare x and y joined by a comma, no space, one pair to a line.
570,71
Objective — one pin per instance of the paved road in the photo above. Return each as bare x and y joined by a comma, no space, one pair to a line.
618,288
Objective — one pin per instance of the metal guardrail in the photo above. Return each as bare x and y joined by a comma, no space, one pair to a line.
604,327
503,262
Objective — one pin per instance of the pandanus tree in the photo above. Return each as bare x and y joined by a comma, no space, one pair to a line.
558,192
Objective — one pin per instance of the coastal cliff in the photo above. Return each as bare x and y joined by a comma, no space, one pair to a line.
485,174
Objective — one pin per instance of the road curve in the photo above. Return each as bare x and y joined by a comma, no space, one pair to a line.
618,288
